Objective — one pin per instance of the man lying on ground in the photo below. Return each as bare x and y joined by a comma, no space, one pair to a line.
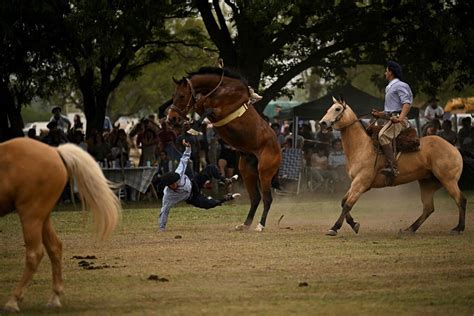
179,187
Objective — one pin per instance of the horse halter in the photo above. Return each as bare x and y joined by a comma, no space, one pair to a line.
195,97
339,116
188,106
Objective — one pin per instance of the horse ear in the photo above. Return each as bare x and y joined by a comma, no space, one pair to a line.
334,100
175,81
341,100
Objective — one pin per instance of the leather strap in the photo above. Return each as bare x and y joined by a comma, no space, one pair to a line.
237,113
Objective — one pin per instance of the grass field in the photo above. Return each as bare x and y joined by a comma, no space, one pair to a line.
289,269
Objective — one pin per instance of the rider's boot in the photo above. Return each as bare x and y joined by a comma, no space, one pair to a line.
391,168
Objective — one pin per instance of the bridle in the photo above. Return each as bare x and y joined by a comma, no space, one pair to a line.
196,98
339,116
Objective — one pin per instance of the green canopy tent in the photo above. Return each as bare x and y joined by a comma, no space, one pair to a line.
274,108
361,103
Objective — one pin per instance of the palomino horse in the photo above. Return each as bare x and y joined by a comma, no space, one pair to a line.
223,97
437,164
32,177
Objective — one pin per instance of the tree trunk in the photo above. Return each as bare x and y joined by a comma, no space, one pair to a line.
11,121
94,110
95,103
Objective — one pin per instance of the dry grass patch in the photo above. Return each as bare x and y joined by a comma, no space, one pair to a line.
213,270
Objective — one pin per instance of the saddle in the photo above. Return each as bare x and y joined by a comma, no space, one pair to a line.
407,141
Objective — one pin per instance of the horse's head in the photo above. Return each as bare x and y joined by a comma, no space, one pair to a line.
337,116
183,101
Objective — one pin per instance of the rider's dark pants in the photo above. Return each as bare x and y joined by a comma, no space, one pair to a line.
197,198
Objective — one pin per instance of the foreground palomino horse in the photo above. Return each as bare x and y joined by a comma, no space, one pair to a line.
437,164
223,97
32,177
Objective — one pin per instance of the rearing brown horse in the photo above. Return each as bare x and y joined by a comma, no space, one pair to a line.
437,164
223,97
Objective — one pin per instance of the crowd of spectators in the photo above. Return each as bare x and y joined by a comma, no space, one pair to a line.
155,143
150,143
325,161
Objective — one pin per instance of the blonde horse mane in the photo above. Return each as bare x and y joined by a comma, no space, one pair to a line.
94,188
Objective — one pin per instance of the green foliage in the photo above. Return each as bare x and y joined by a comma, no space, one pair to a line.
35,114
272,42
28,66
142,94
106,41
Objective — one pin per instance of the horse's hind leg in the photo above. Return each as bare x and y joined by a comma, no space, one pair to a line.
453,190
34,252
265,184
428,187
54,249
267,168
248,170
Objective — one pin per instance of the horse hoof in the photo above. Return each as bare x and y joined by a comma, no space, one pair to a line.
11,307
260,228
356,227
407,231
54,302
242,227
331,233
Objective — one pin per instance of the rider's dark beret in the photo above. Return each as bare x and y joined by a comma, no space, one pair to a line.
395,68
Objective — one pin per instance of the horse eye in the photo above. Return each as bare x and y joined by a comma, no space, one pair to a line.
338,109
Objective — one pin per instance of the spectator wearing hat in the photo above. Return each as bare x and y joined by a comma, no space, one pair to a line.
62,122
433,110
179,187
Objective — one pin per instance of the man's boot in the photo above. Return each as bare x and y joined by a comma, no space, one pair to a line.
391,168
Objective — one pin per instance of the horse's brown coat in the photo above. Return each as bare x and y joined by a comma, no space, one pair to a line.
249,134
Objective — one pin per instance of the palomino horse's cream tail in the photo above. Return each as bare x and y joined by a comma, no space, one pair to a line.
94,188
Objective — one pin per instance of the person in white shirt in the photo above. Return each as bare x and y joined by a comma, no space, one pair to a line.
179,187
433,110
62,122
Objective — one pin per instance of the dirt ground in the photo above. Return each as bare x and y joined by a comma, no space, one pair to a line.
201,266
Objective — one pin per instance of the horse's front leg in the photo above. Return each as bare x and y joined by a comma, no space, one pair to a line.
354,225
34,253
358,187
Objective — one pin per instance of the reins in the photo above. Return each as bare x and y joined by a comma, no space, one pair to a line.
360,121
194,97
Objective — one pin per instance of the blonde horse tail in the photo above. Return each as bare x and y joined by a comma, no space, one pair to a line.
94,188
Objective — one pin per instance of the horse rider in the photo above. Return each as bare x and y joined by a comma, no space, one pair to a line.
179,187
398,101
